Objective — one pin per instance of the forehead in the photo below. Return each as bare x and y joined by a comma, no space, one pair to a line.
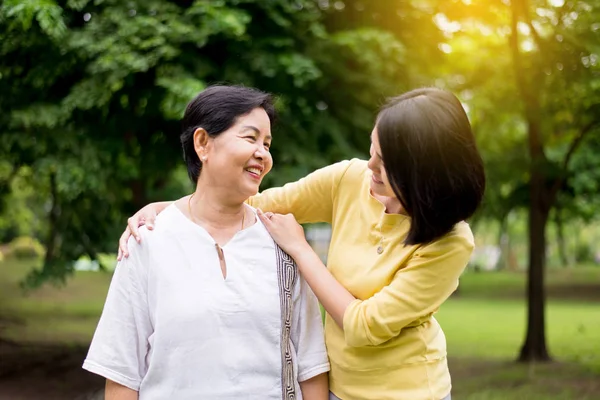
257,118
374,136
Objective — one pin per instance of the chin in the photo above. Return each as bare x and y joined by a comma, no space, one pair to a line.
251,191
376,189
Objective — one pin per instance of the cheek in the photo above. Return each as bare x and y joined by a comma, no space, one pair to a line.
268,161
385,179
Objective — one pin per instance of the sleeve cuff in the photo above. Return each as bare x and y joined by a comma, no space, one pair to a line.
355,334
314,371
112,375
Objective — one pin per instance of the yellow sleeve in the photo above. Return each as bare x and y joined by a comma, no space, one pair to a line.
310,199
415,293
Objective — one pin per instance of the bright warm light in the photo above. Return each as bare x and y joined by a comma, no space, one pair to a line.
556,3
527,45
485,30
523,28
445,47
445,24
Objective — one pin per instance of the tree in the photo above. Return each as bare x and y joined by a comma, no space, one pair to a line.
553,66
92,93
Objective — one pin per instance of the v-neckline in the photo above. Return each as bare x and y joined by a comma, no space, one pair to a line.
205,232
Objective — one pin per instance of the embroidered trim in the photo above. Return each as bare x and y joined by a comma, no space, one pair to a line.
287,275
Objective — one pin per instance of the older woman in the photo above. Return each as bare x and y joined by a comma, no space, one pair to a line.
208,306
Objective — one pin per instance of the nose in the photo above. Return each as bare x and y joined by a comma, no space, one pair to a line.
260,152
372,163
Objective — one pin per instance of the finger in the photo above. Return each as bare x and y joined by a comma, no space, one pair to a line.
150,222
123,246
132,224
123,241
266,221
119,253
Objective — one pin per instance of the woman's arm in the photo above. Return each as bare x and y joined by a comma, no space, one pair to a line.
310,199
416,291
316,388
116,391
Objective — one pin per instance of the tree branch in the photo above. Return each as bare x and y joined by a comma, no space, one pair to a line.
572,148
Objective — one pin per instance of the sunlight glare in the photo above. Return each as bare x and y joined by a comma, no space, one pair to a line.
528,45
556,3
445,47
523,28
445,24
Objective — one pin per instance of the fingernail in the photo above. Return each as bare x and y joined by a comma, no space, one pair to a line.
150,226
137,239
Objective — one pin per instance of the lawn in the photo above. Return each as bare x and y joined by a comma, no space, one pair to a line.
58,315
484,325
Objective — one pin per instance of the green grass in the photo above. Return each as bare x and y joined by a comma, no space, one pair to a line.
497,329
484,324
63,315
485,327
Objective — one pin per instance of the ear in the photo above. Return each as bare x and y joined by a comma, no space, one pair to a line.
200,142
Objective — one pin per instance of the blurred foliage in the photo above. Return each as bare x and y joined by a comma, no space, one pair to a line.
25,247
92,92
559,70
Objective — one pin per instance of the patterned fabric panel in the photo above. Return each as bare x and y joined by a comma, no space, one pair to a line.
287,273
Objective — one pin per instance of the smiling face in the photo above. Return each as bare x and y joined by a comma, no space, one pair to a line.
380,185
239,158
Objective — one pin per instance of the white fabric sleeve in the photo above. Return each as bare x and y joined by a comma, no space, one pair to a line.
120,345
307,333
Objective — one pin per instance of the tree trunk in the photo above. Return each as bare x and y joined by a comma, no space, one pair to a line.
534,348
560,239
504,244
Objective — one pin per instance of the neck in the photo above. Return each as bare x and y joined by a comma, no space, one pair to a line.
392,204
216,210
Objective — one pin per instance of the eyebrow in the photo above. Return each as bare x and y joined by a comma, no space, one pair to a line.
255,129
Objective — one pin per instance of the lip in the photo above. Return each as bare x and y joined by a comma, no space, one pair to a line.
252,174
375,180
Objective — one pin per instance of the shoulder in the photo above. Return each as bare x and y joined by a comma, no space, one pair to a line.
352,171
170,221
171,218
459,238
166,224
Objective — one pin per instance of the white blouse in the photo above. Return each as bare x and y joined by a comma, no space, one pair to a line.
174,328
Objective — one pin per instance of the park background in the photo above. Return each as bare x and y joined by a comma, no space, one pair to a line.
90,97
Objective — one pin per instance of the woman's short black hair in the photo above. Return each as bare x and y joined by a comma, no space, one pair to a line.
431,160
216,109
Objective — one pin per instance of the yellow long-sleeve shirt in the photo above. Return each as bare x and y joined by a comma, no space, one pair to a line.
391,346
